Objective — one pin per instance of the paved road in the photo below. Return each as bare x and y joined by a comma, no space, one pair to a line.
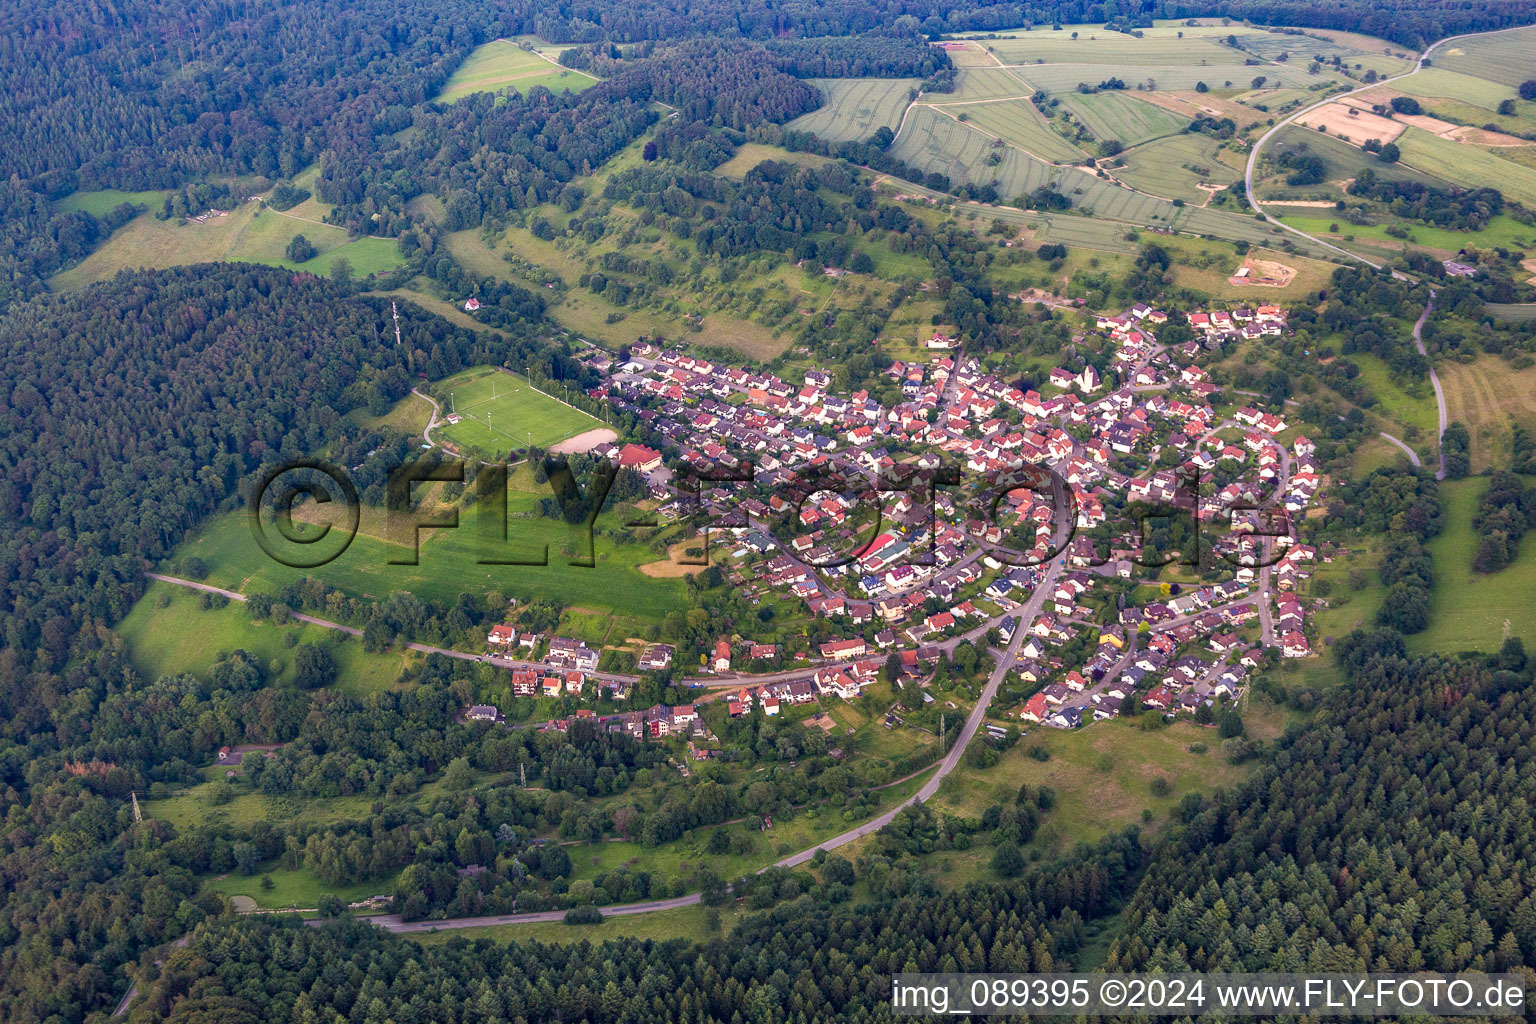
1434,379
1413,456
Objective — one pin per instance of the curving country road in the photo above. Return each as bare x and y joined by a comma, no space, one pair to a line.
1253,153
1434,379
1027,612
1413,456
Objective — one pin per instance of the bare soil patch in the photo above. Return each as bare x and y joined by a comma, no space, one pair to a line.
1264,274
585,441
671,567
1355,123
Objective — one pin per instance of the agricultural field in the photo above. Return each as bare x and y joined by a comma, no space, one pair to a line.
248,233
1063,78
1168,167
502,64
1523,121
1467,165
1353,121
1503,57
1121,115
1438,81
1343,161
1469,611
1101,46
974,84
502,411
936,142
1019,124
852,108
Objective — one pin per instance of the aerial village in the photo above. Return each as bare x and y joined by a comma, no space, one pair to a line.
916,572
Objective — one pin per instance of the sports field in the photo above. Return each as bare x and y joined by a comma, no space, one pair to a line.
852,108
502,64
500,411
1120,115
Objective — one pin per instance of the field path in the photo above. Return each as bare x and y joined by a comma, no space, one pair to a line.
1434,379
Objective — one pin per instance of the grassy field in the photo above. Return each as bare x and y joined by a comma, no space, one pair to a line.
592,316
248,233
1166,167
450,563
1441,82
1471,166
1469,611
169,632
852,108
1063,78
1403,408
501,64
1093,800
299,888
502,411
1213,279
1100,46
751,154
1018,123
1120,115
681,923
936,142
1502,230
973,84
1503,57
100,202
1488,395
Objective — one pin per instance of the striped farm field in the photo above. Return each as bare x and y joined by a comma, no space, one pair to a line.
1103,47
853,108
1172,167
1120,115
1063,78
982,84
1018,123
1503,57
1436,82
934,141
1467,165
